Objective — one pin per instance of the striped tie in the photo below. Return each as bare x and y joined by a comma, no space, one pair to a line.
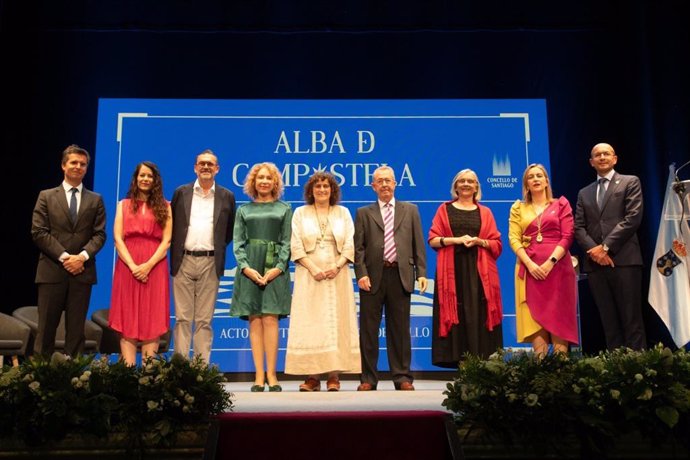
389,253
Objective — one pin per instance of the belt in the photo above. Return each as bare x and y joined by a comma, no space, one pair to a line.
200,253
390,264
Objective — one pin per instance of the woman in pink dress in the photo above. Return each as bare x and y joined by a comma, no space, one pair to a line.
139,308
541,231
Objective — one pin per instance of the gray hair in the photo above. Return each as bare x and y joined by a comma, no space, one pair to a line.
477,194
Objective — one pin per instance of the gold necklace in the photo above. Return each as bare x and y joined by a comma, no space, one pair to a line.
539,238
322,225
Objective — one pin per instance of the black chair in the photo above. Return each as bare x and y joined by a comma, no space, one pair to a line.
111,338
14,337
92,332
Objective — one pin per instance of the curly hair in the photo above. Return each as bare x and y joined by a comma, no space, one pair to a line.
317,177
155,200
249,187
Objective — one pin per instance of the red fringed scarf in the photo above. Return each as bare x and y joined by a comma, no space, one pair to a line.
445,270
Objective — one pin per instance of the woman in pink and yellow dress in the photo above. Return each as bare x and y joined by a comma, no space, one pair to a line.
541,231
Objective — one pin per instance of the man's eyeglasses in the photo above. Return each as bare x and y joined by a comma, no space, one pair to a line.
605,154
206,164
384,181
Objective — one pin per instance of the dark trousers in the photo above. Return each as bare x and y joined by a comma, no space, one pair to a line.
72,297
617,291
391,296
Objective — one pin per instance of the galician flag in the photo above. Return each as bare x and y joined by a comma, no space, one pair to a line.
669,284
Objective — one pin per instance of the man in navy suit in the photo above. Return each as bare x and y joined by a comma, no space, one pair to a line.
203,215
386,265
607,216
68,227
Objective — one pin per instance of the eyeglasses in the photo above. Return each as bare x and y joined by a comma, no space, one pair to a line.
604,154
465,181
385,181
208,164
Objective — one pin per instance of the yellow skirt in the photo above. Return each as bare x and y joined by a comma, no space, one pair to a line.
525,324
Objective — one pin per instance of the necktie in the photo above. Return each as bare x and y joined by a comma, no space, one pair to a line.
389,253
601,192
73,204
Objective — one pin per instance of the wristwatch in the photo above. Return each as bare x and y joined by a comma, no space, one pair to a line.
553,260
604,247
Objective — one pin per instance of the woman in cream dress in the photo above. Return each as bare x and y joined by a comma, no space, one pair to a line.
323,336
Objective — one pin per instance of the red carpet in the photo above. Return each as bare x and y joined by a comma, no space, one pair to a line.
348,435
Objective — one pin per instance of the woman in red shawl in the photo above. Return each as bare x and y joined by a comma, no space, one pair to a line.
467,297
540,232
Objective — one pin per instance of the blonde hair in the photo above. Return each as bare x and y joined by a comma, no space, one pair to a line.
477,194
249,187
526,194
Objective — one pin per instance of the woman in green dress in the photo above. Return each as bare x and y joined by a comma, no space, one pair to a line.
261,245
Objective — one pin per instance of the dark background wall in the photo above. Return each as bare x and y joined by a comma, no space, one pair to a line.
613,71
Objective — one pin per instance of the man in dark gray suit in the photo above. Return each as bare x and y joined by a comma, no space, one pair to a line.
390,254
203,216
607,216
68,227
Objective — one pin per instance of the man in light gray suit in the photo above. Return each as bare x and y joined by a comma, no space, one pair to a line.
203,218
390,253
607,216
68,227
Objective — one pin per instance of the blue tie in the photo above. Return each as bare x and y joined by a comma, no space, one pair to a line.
601,192
73,205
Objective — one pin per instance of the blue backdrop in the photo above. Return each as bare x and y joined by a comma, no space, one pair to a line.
425,141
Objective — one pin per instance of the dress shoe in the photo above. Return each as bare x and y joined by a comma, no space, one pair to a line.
257,388
275,387
311,384
366,387
333,384
405,386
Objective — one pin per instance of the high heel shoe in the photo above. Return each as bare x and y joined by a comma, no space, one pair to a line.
257,388
275,387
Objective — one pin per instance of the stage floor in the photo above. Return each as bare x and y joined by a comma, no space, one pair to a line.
427,396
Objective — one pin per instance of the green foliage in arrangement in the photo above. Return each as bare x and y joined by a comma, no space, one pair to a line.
536,402
43,401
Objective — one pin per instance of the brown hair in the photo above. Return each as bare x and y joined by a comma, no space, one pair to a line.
317,177
74,148
155,200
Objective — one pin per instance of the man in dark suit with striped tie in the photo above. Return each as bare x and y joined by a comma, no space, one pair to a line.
607,216
390,253
68,227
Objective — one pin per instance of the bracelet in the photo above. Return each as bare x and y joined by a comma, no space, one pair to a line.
443,244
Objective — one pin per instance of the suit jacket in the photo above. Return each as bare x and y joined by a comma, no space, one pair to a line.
615,224
223,223
54,233
409,244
